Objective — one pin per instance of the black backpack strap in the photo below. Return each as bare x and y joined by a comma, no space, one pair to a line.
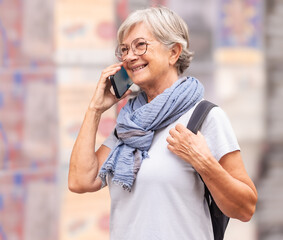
219,220
199,114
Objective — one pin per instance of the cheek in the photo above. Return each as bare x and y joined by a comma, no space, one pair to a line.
159,66
162,59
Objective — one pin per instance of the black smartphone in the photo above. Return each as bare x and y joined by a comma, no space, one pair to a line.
121,82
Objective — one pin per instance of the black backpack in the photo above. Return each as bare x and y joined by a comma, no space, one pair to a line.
218,218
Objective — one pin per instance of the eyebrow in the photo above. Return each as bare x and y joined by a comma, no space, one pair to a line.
134,40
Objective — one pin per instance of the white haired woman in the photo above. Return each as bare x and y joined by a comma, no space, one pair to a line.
152,169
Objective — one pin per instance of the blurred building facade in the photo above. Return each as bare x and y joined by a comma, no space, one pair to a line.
51,56
28,121
270,180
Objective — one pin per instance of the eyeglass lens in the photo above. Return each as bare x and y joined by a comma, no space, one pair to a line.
139,47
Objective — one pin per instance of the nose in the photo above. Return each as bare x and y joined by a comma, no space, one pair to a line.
131,56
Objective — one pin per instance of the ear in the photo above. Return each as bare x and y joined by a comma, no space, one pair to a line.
175,52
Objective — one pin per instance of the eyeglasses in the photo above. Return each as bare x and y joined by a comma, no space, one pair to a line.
138,46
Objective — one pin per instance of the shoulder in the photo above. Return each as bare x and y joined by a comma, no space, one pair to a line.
216,117
219,134
111,141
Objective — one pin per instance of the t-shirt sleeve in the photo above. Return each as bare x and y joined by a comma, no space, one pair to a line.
110,141
219,133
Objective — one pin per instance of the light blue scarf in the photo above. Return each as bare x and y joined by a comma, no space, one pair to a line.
137,122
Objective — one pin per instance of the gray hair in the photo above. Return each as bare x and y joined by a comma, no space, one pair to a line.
167,27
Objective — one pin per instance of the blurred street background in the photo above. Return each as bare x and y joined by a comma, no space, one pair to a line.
51,55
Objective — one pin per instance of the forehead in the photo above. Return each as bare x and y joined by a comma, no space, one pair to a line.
140,30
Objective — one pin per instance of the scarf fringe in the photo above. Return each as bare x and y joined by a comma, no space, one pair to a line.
103,175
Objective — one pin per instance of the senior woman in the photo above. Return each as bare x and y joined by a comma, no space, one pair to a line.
152,168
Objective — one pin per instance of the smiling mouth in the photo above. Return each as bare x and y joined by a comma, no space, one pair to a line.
139,68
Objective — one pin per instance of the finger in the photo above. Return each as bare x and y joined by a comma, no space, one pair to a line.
199,134
180,127
111,70
108,83
115,65
173,132
170,140
108,72
118,64
170,147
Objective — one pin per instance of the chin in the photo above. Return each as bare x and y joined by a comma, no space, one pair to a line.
140,81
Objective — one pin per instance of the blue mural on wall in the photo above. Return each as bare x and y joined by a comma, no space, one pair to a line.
239,23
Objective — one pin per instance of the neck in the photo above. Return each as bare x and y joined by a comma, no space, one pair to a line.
157,88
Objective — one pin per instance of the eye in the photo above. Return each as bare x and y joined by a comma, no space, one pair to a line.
124,49
140,44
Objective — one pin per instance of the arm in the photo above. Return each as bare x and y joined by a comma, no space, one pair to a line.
227,180
85,162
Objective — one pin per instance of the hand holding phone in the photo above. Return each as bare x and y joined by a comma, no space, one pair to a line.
121,82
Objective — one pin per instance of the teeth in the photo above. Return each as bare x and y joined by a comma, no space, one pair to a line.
138,68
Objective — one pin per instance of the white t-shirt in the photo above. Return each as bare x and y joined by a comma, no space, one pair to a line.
167,199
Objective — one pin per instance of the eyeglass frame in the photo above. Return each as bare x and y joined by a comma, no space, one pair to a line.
119,56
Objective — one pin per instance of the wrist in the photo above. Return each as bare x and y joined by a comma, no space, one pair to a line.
95,108
204,165
94,113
